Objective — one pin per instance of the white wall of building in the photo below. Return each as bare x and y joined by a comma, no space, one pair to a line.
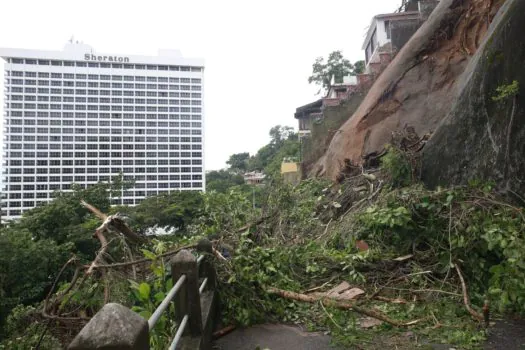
82,116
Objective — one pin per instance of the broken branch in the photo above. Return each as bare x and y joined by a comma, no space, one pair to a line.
338,304
103,242
466,300
223,332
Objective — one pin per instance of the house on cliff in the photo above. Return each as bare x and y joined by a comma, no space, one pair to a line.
254,178
312,112
389,32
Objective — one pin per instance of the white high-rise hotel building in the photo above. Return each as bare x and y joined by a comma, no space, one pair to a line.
79,116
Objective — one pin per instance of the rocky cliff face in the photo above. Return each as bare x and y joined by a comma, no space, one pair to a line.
483,136
418,87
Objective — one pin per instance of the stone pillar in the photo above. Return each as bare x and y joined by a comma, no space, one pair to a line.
187,300
113,327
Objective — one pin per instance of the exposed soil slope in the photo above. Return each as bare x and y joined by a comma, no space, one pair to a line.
418,86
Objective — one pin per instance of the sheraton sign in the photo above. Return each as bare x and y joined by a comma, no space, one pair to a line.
99,58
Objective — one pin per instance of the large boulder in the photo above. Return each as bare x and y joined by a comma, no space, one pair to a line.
417,88
483,137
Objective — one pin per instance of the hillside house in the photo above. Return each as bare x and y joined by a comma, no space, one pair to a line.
312,112
388,33
254,178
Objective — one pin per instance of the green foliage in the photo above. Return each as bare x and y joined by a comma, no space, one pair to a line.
61,218
288,149
279,134
148,296
505,92
296,205
176,209
223,210
284,142
359,67
223,180
27,267
239,161
335,67
486,237
24,328
397,165
254,267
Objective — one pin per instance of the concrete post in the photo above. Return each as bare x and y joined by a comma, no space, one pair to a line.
187,300
206,268
113,327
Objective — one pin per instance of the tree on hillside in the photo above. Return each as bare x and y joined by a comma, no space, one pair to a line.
222,180
175,209
283,143
238,161
335,67
280,133
26,267
359,67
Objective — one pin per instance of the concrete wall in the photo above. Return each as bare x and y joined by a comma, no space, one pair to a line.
426,7
292,178
315,145
402,31
289,167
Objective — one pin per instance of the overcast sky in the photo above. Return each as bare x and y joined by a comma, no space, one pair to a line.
258,54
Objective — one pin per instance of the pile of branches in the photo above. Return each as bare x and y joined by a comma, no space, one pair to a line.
119,259
409,245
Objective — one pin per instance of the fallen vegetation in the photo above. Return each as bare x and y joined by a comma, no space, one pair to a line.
377,260
432,264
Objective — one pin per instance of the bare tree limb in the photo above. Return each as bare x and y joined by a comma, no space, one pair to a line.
466,300
46,301
338,304
141,261
103,242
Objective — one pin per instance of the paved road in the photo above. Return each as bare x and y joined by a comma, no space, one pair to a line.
504,335
274,337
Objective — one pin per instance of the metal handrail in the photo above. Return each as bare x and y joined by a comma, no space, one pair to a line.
162,307
180,330
193,277
152,321
200,259
203,285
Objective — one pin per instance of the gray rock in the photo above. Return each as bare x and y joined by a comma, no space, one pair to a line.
113,327
482,138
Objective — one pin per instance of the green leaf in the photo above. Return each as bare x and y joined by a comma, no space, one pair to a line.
144,291
159,296
145,314
149,254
